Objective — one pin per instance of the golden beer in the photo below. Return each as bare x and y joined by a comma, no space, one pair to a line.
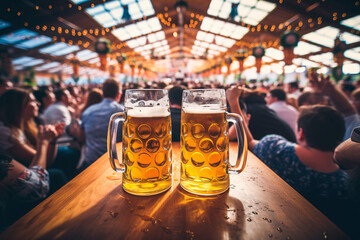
204,152
147,153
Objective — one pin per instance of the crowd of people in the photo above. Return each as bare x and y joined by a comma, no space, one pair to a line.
308,135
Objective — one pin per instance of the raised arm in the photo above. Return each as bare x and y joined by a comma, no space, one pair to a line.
324,85
233,94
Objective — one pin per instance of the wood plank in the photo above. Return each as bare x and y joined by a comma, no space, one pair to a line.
93,205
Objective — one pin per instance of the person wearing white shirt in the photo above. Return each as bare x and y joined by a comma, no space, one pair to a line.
276,100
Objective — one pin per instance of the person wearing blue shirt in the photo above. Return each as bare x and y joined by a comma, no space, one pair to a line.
95,121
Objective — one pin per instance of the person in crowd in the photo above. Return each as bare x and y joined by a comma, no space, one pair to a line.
276,100
293,92
175,98
93,97
19,131
356,99
347,88
95,121
263,120
346,155
21,187
323,85
18,108
45,98
309,98
307,166
59,112
5,84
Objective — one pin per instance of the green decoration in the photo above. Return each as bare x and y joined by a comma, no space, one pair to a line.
103,46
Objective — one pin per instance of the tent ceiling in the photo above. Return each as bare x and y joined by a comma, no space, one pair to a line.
48,31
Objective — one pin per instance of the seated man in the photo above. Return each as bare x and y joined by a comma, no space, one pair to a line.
95,121
276,100
307,166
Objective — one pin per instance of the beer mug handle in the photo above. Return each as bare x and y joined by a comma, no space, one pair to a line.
111,141
242,143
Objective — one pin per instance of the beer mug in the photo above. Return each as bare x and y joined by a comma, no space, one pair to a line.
146,142
204,142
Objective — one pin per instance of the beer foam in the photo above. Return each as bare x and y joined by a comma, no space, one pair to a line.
148,112
203,109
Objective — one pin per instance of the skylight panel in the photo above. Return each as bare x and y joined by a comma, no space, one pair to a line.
250,3
157,44
34,62
225,9
217,25
18,36
160,35
139,49
274,53
243,11
132,43
227,29
164,42
328,31
95,10
353,54
95,60
154,24
228,42
219,40
103,17
132,30
141,41
239,32
266,6
251,21
22,60
305,48
134,9
200,35
145,5
47,66
350,38
214,7
88,56
68,49
325,58
144,27
266,59
121,34
206,24
117,13
204,44
126,2
35,42
353,22
79,1
4,24
112,5
152,38
257,14
319,39
209,37
53,48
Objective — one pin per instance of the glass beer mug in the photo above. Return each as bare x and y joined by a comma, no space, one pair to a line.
204,142
146,142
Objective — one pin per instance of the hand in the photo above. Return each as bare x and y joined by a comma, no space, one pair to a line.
322,84
59,128
46,133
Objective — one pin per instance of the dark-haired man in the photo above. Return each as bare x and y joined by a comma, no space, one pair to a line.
58,111
276,100
95,121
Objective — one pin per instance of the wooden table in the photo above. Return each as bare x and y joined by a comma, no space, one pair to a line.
259,205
